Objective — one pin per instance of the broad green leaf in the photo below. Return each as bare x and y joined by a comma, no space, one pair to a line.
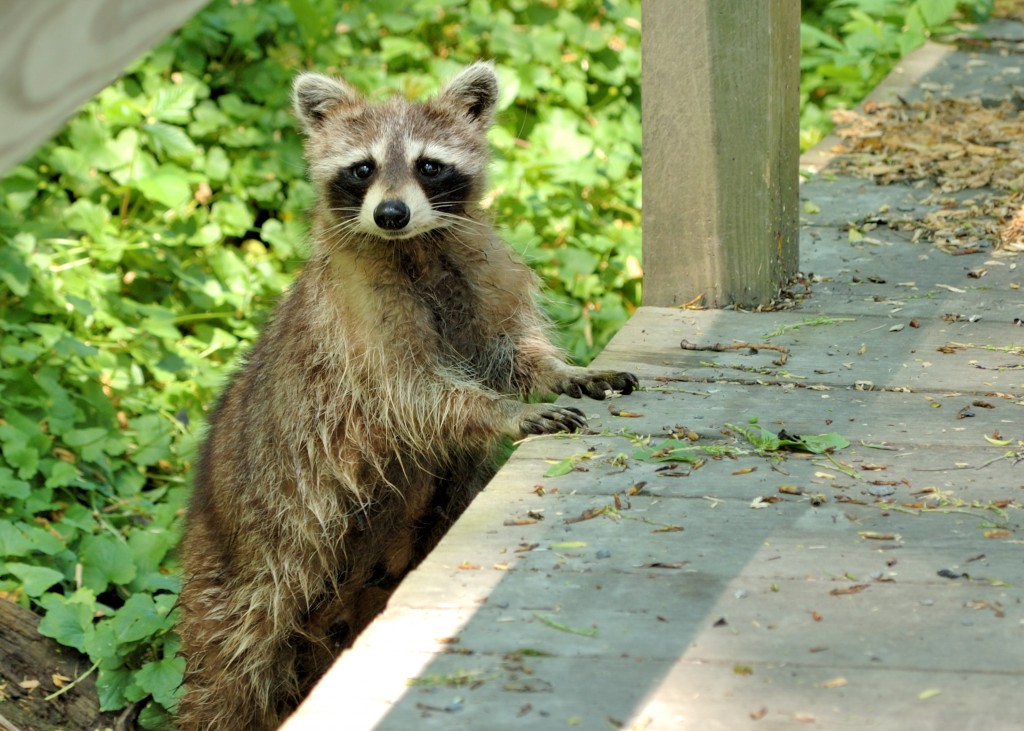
111,684
311,20
152,439
69,621
154,717
87,217
935,12
61,474
173,103
167,185
138,618
13,271
20,539
105,560
88,442
170,140
102,644
562,467
35,580
233,216
149,548
764,441
162,679
12,487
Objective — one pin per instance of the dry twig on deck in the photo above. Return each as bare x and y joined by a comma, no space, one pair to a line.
753,347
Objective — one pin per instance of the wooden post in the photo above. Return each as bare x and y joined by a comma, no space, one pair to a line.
720,149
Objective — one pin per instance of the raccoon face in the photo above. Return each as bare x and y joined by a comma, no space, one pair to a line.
398,169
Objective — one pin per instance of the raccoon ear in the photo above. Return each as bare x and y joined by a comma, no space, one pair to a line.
314,95
475,92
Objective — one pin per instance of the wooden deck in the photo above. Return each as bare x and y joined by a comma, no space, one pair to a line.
878,587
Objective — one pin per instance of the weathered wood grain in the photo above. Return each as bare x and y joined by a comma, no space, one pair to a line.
56,55
837,350
720,150
31,666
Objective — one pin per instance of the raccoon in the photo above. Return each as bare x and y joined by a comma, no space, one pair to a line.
369,412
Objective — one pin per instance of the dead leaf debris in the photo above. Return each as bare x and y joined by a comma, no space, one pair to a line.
959,144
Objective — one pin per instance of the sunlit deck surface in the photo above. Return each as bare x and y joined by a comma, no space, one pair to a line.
878,586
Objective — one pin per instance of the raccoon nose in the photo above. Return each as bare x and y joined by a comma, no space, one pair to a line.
391,215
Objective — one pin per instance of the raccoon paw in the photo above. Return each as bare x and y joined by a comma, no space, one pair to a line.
597,384
550,419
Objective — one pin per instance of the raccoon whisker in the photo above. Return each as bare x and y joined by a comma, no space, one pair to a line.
457,220
343,226
449,191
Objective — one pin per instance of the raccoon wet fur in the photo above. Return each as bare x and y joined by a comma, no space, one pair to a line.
368,414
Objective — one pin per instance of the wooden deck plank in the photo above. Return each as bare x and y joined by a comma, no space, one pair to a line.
842,350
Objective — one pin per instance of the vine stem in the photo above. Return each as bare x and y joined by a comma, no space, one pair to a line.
61,691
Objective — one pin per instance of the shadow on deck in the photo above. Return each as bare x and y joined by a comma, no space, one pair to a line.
877,587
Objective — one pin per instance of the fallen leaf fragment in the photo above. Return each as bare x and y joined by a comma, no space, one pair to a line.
996,441
832,683
759,713
616,411
30,684
59,681
996,607
873,536
930,693
854,589
635,489
669,529
997,533
587,514
741,669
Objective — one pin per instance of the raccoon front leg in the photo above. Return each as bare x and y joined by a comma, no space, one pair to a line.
542,363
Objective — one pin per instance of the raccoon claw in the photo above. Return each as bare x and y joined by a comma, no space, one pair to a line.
597,385
623,382
551,419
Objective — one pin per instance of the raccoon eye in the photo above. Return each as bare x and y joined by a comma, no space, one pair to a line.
429,168
362,170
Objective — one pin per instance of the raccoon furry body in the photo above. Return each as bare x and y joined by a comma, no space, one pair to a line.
367,415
